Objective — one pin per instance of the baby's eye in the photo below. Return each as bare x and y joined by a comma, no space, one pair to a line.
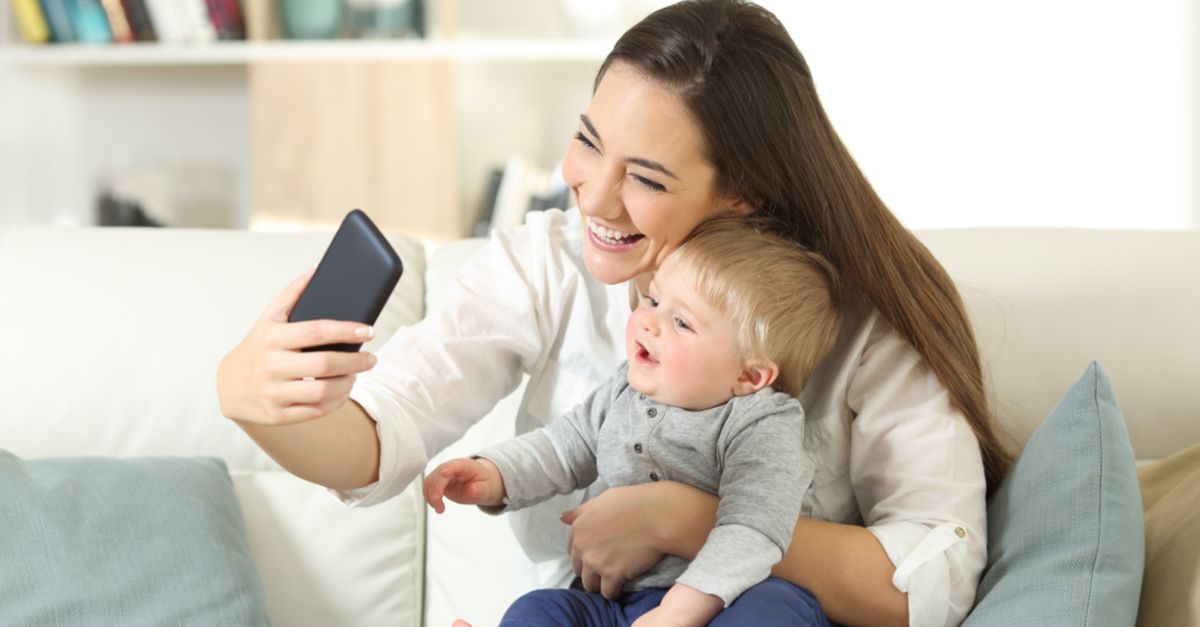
682,325
652,301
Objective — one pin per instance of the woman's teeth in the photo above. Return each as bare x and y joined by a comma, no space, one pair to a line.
607,235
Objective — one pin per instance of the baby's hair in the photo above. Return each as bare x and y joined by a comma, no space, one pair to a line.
781,298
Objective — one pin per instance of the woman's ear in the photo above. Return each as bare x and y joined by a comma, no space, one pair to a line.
737,208
756,375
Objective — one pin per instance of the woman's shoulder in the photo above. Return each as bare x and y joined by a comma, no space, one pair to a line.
544,252
545,234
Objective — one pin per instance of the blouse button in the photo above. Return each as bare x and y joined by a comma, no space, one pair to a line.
637,447
654,476
960,532
652,412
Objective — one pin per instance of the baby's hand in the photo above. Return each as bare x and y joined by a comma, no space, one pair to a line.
466,481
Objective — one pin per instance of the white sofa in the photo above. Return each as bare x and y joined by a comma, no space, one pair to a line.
111,338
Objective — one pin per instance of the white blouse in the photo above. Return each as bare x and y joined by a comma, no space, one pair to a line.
890,451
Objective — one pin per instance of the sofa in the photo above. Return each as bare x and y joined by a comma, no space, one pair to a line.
111,339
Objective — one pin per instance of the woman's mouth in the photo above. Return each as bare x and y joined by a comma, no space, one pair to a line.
611,239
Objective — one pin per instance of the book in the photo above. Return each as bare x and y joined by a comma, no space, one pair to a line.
169,20
227,19
195,17
58,16
483,219
117,21
262,20
91,23
521,181
139,20
31,21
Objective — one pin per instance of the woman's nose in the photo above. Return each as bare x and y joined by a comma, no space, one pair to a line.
599,198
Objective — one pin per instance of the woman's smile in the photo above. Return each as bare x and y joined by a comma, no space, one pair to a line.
611,240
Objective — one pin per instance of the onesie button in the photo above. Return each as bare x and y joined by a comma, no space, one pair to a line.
652,412
960,532
637,447
654,476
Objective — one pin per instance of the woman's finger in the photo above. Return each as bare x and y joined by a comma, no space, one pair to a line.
591,579
314,392
610,586
281,307
298,335
292,365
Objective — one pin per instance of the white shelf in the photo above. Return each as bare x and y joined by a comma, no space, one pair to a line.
241,53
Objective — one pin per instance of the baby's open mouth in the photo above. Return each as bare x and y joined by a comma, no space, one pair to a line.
643,355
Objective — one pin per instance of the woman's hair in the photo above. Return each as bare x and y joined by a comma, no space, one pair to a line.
738,266
750,91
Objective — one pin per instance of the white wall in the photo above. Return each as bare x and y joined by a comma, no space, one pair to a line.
1026,112
1062,113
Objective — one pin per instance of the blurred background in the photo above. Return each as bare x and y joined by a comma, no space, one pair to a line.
445,118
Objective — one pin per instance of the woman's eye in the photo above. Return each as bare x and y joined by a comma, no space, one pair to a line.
682,325
581,138
658,187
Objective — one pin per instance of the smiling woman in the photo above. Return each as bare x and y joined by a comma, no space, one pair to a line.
640,177
704,109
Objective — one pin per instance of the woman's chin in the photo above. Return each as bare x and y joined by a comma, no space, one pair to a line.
607,267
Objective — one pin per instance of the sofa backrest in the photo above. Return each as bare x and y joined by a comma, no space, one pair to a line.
110,341
1045,302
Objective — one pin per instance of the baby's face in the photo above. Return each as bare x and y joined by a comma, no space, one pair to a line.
682,351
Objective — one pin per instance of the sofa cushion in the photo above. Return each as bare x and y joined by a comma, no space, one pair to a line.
136,541
1171,583
1065,536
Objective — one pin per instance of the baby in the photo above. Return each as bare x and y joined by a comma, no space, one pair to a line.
734,322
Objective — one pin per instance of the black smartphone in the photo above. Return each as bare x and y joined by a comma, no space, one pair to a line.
354,280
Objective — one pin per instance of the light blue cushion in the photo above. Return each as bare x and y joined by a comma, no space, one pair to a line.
137,541
1066,542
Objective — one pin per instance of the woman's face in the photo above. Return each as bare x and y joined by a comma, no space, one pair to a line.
637,170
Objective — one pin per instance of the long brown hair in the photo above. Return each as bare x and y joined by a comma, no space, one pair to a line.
766,134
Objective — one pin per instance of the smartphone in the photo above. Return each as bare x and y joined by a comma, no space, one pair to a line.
354,280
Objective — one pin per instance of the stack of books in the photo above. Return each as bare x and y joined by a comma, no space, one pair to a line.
124,21
520,187
203,21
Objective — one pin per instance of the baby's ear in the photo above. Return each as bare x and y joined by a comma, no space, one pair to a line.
756,375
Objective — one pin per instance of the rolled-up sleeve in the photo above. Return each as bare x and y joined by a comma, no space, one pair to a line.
435,379
917,474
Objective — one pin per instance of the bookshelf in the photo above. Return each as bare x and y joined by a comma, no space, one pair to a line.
244,53
301,131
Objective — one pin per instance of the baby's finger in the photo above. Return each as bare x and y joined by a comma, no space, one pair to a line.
435,488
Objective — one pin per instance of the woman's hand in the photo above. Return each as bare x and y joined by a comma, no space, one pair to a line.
625,531
266,379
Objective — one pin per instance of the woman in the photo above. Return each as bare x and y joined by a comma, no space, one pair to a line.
703,109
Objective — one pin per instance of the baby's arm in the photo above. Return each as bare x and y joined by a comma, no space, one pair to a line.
465,480
765,475
556,459
683,606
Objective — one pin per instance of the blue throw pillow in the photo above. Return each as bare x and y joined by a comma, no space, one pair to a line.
1066,542
136,541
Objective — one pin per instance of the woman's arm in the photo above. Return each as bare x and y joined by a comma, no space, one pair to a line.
339,450
293,403
844,566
